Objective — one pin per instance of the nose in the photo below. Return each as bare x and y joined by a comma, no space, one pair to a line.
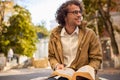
79,14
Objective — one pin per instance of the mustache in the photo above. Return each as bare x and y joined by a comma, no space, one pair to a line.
80,17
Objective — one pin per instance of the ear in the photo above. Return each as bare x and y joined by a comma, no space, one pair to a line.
81,18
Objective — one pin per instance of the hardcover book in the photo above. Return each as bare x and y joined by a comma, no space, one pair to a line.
86,72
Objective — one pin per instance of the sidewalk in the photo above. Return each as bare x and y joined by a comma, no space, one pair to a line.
10,65
109,71
28,70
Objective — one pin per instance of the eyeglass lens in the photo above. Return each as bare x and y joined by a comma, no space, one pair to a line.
75,12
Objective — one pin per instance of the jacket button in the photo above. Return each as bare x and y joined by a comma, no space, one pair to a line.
80,49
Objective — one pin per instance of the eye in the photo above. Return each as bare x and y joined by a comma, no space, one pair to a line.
75,12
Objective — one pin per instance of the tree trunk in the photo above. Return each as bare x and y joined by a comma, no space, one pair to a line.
109,27
2,12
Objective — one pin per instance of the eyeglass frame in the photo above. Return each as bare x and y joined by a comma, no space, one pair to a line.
75,12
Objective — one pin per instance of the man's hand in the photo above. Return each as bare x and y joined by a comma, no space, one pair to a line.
60,66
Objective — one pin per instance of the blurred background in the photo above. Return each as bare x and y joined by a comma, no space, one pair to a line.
25,26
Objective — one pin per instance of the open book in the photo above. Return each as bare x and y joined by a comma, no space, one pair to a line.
85,71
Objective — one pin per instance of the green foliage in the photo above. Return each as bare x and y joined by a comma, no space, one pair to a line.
3,43
42,31
91,6
21,34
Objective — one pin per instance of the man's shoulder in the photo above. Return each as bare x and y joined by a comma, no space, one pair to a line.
90,30
56,29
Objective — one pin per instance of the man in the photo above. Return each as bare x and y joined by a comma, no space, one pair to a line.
71,43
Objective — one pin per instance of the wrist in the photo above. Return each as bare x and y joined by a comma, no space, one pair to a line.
56,66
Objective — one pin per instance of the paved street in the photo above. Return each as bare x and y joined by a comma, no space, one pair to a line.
39,74
24,74
110,74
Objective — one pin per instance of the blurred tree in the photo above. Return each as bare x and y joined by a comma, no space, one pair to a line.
21,32
105,14
42,31
18,32
100,10
6,7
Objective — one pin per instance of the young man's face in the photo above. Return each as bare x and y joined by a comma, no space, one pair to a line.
73,17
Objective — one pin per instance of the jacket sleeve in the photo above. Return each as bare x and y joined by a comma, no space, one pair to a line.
95,52
51,53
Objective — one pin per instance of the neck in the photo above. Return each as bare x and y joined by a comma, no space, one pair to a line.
70,29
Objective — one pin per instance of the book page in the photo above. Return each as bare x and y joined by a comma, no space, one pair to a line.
87,69
67,73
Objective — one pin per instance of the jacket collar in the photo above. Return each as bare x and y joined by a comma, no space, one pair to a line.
57,31
63,31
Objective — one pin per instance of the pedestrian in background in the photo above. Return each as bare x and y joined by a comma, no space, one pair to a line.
10,54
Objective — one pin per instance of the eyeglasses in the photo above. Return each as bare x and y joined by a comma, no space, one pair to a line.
75,12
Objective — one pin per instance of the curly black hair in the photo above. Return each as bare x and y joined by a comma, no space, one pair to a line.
62,11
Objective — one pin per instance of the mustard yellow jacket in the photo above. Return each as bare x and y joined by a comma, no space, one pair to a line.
88,53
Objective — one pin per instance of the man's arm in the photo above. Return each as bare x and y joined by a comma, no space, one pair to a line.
95,52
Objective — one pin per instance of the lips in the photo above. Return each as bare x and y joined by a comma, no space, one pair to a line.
78,19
